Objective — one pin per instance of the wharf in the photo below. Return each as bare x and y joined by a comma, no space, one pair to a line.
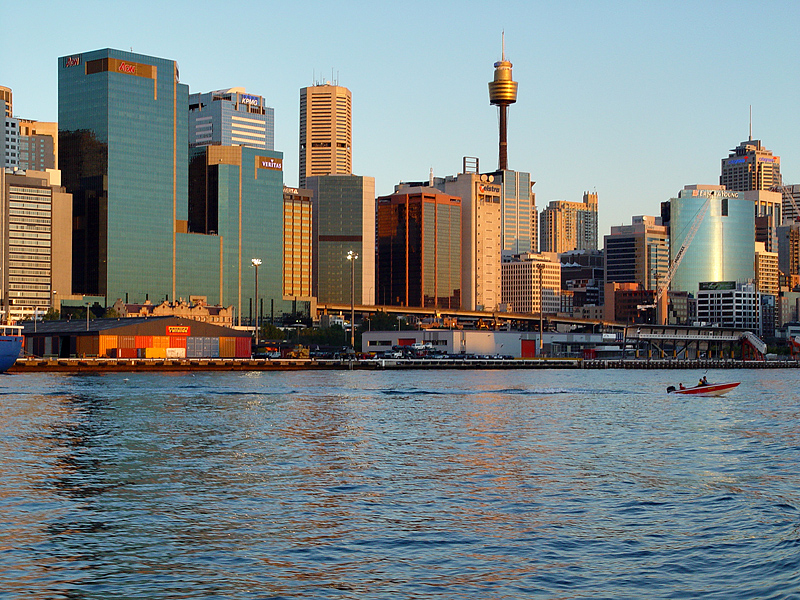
114,365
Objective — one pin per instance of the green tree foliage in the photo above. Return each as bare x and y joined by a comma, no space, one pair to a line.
270,332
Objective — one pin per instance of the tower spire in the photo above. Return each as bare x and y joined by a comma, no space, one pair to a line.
503,92
750,138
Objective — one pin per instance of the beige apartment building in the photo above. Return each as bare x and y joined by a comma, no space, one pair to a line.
326,131
766,270
532,283
566,226
36,257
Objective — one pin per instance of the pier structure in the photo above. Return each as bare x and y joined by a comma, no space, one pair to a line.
691,342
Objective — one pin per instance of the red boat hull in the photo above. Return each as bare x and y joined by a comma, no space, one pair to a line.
712,389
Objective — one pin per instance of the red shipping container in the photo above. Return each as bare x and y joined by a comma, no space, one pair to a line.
243,347
177,341
126,353
127,341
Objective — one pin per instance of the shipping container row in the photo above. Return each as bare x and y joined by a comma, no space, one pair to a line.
146,346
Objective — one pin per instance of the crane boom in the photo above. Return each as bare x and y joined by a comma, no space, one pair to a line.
664,284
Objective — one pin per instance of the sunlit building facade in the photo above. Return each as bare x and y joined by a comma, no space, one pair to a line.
750,166
326,131
532,283
569,226
36,234
297,264
231,117
637,253
343,220
723,247
419,249
123,153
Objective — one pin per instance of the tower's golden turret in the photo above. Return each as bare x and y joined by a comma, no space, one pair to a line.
502,92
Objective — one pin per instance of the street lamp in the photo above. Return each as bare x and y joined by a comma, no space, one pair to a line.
256,262
352,257
540,268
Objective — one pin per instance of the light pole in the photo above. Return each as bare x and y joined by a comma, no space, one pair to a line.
255,262
540,268
352,257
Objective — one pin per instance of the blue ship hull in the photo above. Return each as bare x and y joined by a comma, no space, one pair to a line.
10,347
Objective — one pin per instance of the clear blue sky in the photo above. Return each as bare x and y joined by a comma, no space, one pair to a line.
631,99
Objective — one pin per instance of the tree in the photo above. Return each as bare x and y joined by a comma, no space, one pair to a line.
270,332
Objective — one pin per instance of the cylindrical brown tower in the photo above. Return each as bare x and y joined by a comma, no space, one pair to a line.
502,92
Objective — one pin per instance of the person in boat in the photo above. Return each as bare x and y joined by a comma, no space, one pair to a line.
683,387
703,381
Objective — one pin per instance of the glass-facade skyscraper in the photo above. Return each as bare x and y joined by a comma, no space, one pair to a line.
123,151
343,219
235,215
723,247
419,249
231,117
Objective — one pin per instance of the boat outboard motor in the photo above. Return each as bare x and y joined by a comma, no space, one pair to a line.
670,389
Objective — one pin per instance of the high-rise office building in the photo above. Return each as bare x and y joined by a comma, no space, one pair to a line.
231,117
481,237
297,231
789,253
9,136
518,207
768,216
766,270
790,205
235,215
749,167
7,97
326,131
38,145
343,220
123,152
36,230
637,253
723,248
419,249
569,226
532,282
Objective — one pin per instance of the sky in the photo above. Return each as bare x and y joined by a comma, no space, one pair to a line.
632,100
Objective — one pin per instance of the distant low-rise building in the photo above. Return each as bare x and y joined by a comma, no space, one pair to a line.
195,309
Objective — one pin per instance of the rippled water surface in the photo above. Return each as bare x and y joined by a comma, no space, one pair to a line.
419,484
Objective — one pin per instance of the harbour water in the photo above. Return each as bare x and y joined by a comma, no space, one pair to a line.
410,484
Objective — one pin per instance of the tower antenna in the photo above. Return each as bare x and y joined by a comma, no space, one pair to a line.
750,138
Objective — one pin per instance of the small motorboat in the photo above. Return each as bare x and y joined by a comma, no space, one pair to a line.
708,389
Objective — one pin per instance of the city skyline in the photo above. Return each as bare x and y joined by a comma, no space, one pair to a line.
601,105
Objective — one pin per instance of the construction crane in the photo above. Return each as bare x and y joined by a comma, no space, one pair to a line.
662,285
787,192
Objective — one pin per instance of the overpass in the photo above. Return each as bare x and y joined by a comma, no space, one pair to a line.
494,318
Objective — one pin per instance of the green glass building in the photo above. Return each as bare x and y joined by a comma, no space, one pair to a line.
235,215
123,153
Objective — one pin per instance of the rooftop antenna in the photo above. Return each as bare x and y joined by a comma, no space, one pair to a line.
751,124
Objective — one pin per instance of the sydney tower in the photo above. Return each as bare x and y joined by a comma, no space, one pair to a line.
502,92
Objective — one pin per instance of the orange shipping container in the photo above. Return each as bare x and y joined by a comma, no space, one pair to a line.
160,341
177,341
107,342
144,341
227,347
